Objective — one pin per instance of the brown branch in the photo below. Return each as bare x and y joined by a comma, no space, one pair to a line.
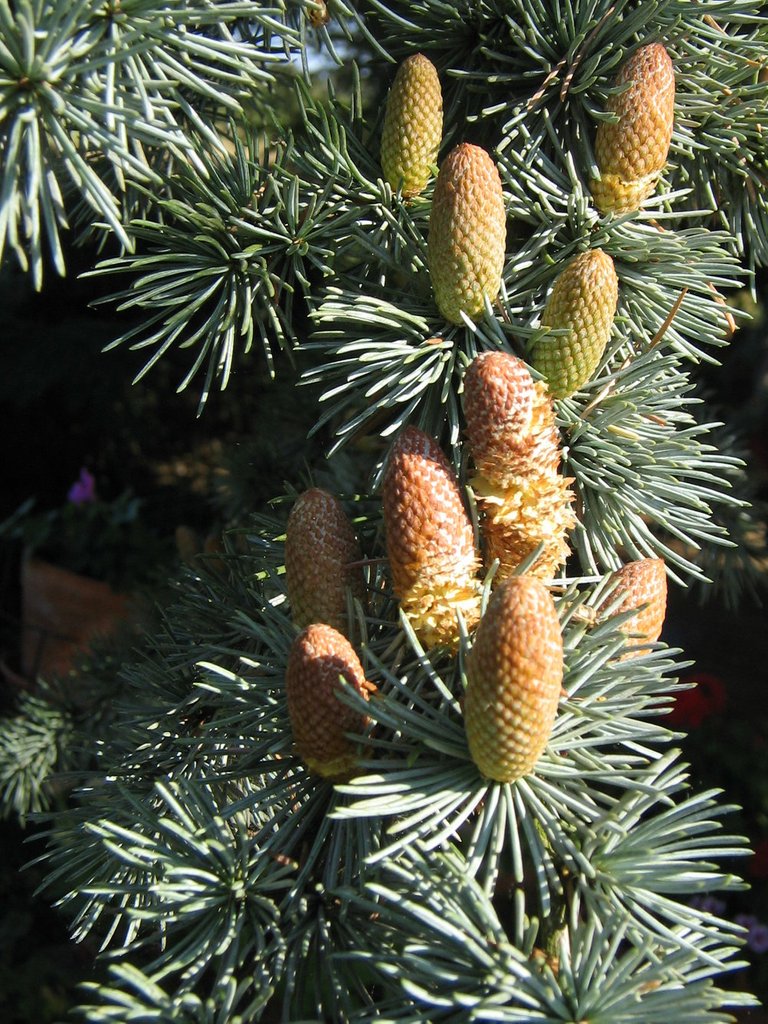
583,51
543,87
669,318
729,318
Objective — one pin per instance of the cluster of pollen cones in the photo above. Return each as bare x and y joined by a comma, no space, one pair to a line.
525,505
631,144
514,668
323,569
467,226
515,665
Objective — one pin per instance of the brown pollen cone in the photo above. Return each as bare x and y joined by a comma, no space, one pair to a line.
322,559
514,680
515,446
430,543
631,152
640,583
319,657
319,15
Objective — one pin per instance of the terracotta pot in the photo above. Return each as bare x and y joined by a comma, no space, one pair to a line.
62,612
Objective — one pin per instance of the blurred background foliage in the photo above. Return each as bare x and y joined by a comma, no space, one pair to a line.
67,405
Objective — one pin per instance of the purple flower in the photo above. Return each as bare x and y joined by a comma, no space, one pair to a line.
757,940
747,921
757,932
709,904
83,489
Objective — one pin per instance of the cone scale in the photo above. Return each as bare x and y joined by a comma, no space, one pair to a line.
514,680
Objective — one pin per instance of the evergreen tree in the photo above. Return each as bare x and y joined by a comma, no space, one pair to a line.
399,752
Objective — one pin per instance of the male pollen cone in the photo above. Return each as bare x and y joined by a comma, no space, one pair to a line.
318,15
322,559
510,418
430,543
319,658
467,233
583,303
514,679
413,125
515,446
640,583
631,153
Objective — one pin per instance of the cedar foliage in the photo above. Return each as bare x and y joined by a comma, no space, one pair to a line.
220,878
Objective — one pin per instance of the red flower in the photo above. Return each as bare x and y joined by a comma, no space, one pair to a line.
758,862
709,697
